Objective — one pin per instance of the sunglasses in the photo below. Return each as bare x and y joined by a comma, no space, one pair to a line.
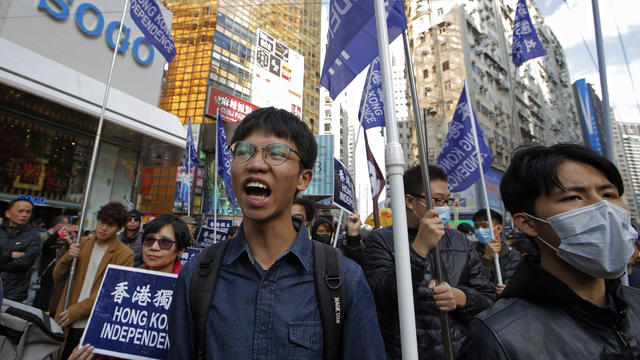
163,242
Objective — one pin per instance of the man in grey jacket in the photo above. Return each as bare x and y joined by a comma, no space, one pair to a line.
19,248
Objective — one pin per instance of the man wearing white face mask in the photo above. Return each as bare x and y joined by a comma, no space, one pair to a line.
568,303
465,292
491,243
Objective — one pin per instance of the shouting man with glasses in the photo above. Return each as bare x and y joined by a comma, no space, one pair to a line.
465,292
266,303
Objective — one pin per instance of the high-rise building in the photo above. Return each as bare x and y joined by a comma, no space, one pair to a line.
217,48
453,41
627,141
406,130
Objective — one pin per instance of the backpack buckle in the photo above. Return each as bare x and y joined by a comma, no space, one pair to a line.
333,282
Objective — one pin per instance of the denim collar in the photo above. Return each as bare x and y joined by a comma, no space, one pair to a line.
301,249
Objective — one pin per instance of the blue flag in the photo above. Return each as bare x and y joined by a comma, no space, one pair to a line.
526,44
147,15
224,160
353,40
190,154
459,158
371,112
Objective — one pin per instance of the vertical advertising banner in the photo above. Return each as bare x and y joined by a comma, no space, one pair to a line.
278,75
590,124
322,181
131,314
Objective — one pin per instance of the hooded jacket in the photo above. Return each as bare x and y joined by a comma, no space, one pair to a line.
539,317
16,273
461,269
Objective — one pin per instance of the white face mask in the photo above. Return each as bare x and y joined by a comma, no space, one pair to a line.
595,239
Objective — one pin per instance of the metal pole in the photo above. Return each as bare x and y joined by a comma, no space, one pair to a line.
424,160
395,170
188,173
337,231
94,157
602,67
215,181
496,262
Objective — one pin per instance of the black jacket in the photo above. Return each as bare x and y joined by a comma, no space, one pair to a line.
539,317
462,270
509,260
16,273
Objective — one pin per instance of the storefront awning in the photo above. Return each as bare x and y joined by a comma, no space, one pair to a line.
28,71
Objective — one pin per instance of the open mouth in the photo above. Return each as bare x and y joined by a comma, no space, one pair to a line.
256,190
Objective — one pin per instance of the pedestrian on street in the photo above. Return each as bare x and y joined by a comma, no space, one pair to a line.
132,236
93,254
465,292
267,300
568,302
490,243
19,246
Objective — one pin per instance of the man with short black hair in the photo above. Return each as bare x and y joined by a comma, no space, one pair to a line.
568,303
303,210
132,236
465,292
265,304
489,244
94,253
19,246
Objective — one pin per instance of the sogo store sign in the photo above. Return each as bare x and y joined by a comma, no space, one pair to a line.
85,11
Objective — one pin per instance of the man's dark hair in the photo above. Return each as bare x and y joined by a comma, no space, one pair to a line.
58,220
481,215
180,229
534,169
309,207
18,200
412,178
283,124
113,213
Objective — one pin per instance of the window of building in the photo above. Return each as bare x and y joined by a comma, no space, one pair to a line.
445,65
447,85
443,46
425,73
327,127
440,11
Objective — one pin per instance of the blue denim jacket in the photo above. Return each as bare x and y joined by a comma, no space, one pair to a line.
272,314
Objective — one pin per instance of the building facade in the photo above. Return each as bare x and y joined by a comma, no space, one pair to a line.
234,48
454,41
627,146
54,65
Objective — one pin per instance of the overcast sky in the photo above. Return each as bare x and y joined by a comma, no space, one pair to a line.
574,22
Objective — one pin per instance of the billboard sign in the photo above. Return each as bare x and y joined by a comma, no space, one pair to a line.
588,115
278,75
232,109
322,181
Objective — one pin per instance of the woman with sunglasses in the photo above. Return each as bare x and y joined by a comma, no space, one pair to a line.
163,242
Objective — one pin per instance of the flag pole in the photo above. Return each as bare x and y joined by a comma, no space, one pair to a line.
94,158
424,160
189,176
394,162
496,261
215,181
335,236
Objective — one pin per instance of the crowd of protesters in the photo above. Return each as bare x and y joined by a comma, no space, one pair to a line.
560,296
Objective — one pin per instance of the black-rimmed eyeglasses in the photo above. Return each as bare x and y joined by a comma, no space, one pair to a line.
273,154
437,201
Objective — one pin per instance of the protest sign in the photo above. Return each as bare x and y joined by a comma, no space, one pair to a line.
206,234
343,189
188,254
130,315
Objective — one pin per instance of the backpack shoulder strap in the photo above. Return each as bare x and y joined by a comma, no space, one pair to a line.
330,290
201,290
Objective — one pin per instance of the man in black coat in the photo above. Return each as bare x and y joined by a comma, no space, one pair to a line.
568,303
19,249
490,243
465,292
